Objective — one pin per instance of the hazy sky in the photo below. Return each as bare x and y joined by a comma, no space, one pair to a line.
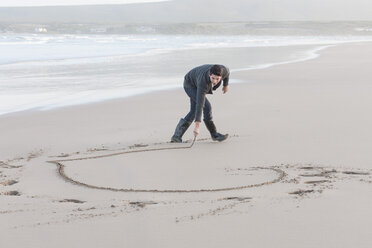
187,10
17,3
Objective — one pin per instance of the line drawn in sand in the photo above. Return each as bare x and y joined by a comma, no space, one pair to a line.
280,174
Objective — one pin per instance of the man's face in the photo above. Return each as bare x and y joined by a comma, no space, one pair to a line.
215,79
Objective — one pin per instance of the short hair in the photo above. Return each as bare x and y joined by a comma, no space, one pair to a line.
216,70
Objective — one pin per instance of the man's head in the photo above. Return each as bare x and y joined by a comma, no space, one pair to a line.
215,74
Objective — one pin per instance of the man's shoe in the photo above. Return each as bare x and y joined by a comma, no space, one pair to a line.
181,128
219,137
215,135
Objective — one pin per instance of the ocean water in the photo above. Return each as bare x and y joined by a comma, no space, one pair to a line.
40,71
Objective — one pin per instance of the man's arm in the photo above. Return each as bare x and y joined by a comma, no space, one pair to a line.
225,79
200,100
197,127
225,89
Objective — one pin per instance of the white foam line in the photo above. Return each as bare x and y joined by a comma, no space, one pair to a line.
312,54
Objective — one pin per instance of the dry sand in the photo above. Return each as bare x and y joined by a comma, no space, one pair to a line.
298,161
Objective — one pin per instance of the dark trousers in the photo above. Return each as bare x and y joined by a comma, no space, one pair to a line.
207,108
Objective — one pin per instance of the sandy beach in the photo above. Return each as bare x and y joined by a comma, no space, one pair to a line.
295,172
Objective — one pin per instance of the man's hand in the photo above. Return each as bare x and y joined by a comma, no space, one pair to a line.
196,129
225,89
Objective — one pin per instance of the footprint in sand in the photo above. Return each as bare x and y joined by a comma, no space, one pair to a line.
72,200
142,204
302,192
235,198
34,154
356,173
12,193
317,182
9,182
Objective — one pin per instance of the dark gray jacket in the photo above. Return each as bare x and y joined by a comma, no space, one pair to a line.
199,78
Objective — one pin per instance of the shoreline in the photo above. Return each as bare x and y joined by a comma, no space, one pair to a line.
311,52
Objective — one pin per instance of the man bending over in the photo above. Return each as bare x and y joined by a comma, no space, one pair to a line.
198,82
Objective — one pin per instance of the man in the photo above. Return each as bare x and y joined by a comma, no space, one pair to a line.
198,82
